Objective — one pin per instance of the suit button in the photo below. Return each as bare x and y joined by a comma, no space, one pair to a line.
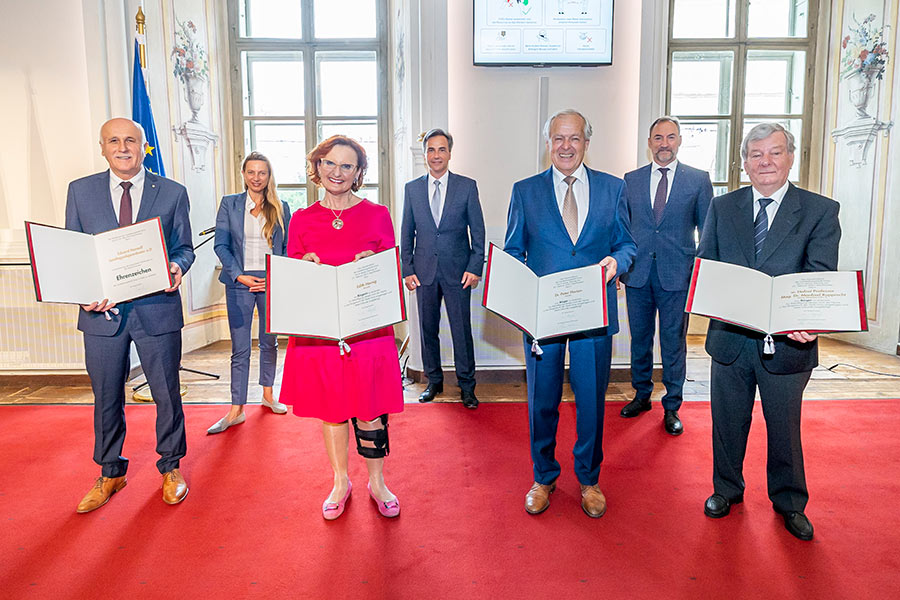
573,253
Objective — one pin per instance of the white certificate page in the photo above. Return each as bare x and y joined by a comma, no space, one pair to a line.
511,290
730,293
79,268
818,301
302,298
370,293
571,301
133,261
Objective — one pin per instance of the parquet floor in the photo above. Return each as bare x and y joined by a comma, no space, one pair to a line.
843,382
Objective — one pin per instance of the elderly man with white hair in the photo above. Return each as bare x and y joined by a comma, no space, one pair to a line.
777,228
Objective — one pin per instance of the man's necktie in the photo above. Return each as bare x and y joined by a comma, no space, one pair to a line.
125,204
436,203
570,210
659,201
761,225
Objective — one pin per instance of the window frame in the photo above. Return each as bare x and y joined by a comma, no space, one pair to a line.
740,45
308,46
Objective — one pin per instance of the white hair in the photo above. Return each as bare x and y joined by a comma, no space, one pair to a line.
588,130
761,132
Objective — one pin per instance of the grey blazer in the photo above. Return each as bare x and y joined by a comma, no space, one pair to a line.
804,236
89,209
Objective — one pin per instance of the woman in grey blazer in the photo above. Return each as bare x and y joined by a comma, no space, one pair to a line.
249,226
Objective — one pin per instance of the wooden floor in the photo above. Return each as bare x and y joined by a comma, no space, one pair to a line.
841,382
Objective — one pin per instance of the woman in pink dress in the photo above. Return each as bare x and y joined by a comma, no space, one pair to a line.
363,385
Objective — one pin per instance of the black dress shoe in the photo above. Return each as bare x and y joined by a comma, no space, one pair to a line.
797,524
468,399
673,423
718,506
635,407
431,391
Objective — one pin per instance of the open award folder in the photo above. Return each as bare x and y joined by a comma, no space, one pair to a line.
815,302
543,307
80,268
334,303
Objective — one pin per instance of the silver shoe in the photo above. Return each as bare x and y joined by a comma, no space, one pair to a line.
276,407
223,424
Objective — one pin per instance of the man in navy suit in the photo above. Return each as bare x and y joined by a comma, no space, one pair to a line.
442,252
667,203
124,194
776,228
567,217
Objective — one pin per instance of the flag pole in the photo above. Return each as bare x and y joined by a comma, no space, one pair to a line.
139,23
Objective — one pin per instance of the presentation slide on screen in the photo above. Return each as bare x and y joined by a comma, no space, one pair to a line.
543,32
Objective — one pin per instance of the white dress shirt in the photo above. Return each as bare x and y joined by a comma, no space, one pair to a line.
581,189
137,190
772,208
442,191
655,177
255,245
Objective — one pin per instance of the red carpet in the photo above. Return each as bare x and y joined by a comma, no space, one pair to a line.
251,525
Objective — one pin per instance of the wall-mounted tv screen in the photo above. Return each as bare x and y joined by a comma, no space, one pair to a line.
543,32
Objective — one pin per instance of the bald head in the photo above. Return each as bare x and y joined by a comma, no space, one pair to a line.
122,144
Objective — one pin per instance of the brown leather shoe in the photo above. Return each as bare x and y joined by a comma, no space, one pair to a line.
538,497
99,495
174,487
593,502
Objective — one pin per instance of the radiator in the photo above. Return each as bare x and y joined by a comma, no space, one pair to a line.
35,335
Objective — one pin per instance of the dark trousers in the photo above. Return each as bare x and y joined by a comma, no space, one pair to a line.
457,300
240,302
589,360
732,393
644,303
107,361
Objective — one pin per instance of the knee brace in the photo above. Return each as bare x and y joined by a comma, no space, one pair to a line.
377,439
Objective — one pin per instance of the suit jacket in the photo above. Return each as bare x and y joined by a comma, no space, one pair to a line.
89,209
536,235
229,244
428,248
671,241
804,236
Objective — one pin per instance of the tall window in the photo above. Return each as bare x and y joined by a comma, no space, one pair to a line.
734,64
304,70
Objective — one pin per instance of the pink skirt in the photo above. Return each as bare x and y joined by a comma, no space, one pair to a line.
364,383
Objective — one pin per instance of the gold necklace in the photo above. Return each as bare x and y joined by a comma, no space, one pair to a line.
337,223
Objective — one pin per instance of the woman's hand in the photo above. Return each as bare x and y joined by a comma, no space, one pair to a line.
363,254
256,284
311,257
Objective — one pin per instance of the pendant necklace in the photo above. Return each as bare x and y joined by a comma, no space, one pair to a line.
337,223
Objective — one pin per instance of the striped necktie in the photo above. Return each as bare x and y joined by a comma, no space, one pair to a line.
761,225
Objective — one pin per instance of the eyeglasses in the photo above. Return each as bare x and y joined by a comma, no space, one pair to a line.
346,168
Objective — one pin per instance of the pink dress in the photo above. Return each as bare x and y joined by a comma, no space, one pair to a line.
317,380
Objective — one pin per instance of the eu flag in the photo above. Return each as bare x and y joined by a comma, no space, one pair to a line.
141,113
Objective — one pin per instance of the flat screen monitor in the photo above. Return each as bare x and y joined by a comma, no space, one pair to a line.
543,32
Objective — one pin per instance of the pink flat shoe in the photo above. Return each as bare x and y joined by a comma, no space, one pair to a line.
332,510
389,509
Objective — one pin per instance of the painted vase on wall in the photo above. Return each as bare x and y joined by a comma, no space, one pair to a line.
194,91
860,89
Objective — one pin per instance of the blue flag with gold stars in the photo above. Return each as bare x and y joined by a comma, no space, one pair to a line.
141,113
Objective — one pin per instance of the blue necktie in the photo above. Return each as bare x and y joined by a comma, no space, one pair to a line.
761,225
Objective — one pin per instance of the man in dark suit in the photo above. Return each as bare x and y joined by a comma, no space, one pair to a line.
667,203
124,194
567,217
442,251
775,228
